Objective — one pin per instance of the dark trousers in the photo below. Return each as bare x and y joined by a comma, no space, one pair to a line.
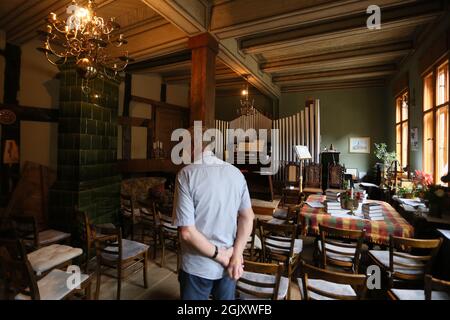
197,288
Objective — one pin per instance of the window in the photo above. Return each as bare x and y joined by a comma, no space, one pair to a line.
435,121
402,128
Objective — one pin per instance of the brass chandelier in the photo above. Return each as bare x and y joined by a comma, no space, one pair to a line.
247,106
84,36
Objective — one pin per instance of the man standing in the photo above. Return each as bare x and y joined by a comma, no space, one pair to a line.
215,218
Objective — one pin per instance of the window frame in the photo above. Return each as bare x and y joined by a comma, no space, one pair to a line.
399,97
433,110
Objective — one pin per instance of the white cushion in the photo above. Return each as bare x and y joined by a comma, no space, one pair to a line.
298,245
53,286
383,258
262,278
280,214
404,294
52,236
47,258
276,221
336,256
326,286
129,249
256,245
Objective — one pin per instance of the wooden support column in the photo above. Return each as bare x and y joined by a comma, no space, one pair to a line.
203,78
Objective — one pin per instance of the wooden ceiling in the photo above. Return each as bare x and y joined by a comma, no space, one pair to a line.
286,46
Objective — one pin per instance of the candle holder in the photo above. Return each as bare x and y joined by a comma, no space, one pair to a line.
158,150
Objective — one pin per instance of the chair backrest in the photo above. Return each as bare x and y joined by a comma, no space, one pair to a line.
277,240
166,222
331,239
27,230
148,213
257,286
108,244
313,175
126,204
414,257
356,281
335,176
16,270
250,246
86,230
292,174
433,284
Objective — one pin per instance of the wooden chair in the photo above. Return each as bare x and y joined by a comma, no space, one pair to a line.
340,248
313,179
408,260
168,232
435,289
22,284
253,247
280,243
289,215
335,176
27,230
121,254
42,260
291,188
87,236
129,214
149,224
320,284
262,281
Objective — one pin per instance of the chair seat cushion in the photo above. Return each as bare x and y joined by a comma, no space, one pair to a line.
52,236
337,256
327,286
46,258
313,190
277,221
129,249
280,213
383,258
298,245
262,278
54,286
404,294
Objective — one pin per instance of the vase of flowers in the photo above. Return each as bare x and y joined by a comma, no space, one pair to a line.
350,200
421,182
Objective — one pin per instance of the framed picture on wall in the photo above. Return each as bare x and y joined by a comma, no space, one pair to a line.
359,145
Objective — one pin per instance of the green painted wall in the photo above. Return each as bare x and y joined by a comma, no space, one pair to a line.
411,66
345,113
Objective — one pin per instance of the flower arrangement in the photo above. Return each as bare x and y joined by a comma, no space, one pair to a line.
422,180
350,200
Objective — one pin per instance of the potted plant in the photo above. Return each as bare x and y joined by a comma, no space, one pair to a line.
385,157
349,201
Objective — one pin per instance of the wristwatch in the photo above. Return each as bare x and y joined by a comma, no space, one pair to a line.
216,252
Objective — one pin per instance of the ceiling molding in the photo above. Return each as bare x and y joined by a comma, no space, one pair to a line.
394,17
334,86
255,16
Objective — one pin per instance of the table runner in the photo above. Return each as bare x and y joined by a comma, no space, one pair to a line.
377,232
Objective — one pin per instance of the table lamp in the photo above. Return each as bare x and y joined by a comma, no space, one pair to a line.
302,154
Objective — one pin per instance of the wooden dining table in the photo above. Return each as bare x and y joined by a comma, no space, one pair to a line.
377,232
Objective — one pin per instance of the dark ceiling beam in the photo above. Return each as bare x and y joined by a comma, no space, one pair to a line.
332,86
168,59
238,18
352,56
336,75
393,17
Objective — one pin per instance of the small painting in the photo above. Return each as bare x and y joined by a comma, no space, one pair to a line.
415,139
359,145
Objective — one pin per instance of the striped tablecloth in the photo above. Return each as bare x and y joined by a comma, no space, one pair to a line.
377,232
